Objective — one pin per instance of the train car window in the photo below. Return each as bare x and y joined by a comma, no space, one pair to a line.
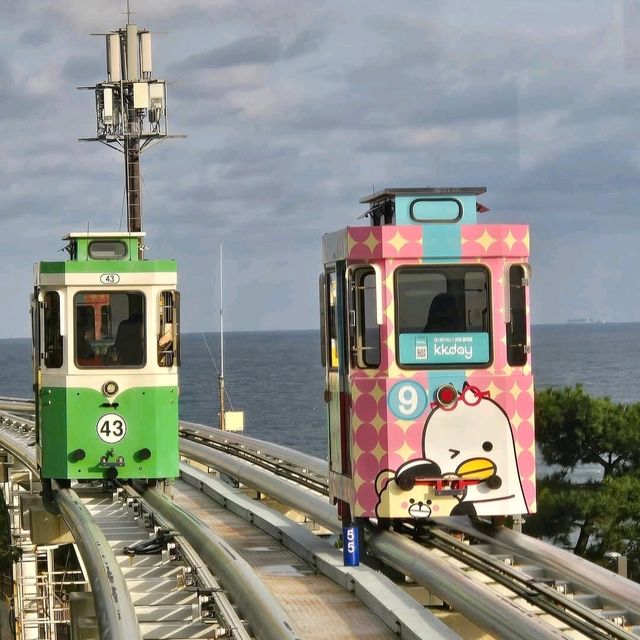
517,347
332,293
443,316
169,337
366,335
109,329
107,250
53,351
323,320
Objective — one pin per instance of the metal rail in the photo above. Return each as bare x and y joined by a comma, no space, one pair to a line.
265,482
401,613
266,618
15,437
290,456
261,481
115,614
25,405
486,608
302,468
473,600
307,470
215,610
591,577
545,597
114,611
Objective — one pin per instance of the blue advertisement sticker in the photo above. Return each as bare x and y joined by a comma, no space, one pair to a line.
444,348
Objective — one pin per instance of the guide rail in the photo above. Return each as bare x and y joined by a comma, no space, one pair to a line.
568,611
544,596
272,469
281,461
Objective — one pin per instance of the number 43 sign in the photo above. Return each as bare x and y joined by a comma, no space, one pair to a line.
111,428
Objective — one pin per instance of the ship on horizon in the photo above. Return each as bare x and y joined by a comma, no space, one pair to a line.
585,321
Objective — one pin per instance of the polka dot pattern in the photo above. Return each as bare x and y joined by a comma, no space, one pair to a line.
379,440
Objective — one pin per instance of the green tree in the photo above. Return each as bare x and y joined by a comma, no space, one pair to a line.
574,429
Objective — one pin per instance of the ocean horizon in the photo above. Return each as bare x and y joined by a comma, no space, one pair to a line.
277,379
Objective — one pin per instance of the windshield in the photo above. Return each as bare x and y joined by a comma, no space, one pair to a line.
443,315
109,329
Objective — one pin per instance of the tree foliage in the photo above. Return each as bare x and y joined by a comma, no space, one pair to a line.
599,439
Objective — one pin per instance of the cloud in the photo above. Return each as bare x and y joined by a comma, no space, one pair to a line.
251,50
34,37
14,102
293,111
83,70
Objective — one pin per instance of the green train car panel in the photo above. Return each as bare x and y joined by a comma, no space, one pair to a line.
106,352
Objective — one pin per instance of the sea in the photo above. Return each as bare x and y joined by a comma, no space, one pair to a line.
277,378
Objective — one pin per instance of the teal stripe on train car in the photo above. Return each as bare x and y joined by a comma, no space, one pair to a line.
441,240
77,418
451,376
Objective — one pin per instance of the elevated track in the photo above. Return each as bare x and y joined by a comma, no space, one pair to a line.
505,590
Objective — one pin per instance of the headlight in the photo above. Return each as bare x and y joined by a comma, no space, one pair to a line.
109,388
447,396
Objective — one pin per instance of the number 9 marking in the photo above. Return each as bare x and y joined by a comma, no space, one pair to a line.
407,400
111,428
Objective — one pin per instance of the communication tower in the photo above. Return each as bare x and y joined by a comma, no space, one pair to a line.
131,108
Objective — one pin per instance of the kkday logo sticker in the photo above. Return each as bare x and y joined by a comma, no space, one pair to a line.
453,347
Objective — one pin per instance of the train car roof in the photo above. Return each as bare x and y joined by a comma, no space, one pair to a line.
104,234
432,191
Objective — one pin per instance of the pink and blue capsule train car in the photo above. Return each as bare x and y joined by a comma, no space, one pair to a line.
425,342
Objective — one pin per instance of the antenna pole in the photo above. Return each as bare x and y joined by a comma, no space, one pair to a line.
221,376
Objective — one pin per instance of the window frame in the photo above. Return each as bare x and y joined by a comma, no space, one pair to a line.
55,318
174,321
323,318
420,220
358,315
115,365
517,340
439,268
121,243
332,320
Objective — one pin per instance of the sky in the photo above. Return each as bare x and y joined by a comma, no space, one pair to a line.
293,110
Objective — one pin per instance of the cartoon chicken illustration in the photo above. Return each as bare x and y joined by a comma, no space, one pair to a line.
469,463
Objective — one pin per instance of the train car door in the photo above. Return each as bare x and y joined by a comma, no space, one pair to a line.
47,346
337,371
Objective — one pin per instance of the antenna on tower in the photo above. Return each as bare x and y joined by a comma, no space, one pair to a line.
131,108
129,13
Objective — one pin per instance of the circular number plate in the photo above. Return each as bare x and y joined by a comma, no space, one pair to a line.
111,428
407,400
109,278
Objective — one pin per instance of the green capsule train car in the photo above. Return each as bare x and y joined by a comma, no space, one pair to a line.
106,352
